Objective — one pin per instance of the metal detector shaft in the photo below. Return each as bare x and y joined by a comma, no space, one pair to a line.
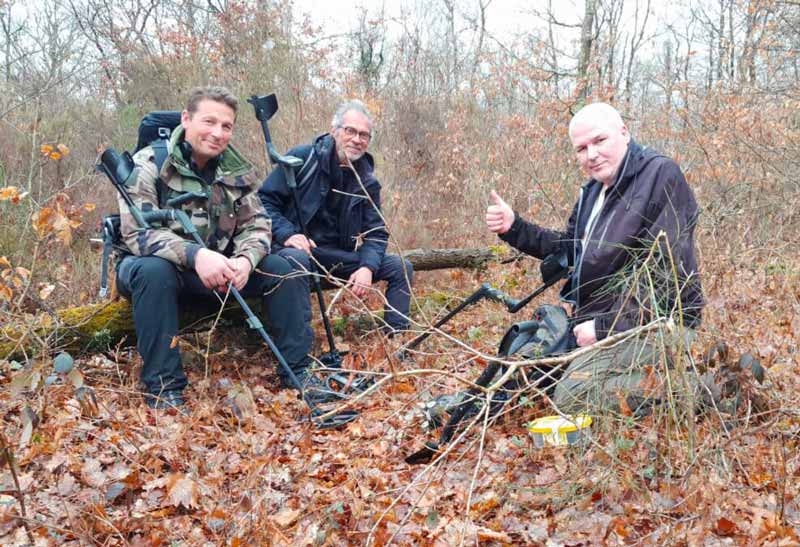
485,291
317,285
265,107
553,268
524,302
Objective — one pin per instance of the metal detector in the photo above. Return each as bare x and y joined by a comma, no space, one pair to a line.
522,334
118,168
553,268
265,108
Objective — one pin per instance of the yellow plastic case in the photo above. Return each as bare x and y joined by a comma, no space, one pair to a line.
558,431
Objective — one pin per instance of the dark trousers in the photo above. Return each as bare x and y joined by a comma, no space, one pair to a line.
158,289
397,272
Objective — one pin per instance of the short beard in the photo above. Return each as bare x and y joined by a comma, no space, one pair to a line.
344,158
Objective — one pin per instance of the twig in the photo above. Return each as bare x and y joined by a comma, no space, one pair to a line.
223,301
474,480
8,457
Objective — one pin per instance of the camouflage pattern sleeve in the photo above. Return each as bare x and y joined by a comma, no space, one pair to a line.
151,241
254,229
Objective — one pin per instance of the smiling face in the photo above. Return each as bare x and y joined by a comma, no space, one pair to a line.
352,136
600,140
208,129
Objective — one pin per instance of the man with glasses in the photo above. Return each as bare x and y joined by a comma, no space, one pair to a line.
340,204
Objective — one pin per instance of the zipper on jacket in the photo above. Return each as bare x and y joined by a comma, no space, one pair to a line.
577,264
352,200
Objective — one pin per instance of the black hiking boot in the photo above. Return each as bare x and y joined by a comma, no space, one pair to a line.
734,384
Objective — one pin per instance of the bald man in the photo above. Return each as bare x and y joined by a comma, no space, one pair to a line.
636,201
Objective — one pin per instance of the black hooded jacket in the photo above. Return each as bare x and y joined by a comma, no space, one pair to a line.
361,228
649,197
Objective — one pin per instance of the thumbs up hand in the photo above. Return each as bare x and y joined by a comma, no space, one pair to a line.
499,215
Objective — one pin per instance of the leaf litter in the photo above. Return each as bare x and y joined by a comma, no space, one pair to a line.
245,467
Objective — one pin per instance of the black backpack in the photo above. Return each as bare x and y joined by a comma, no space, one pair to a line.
155,130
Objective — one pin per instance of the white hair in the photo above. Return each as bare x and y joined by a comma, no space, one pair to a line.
347,106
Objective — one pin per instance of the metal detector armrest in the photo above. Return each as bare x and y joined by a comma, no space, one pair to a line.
290,162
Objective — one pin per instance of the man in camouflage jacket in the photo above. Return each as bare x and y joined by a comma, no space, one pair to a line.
216,187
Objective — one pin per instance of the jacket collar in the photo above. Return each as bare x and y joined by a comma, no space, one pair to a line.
230,162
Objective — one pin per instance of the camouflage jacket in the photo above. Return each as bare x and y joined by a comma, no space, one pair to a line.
230,219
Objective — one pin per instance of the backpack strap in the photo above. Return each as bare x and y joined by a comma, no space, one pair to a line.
159,157
308,169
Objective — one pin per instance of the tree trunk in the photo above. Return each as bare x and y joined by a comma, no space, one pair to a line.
98,327
587,39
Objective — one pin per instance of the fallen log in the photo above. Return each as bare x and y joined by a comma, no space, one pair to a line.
439,259
97,327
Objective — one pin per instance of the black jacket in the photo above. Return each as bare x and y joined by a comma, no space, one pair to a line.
360,224
650,196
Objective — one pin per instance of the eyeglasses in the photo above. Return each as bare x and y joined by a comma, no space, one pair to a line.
352,132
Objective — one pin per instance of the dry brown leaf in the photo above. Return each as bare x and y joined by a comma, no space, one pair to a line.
182,490
725,527
58,459
92,473
485,534
67,484
8,193
286,517
46,290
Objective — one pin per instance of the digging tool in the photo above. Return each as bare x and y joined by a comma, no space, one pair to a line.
119,168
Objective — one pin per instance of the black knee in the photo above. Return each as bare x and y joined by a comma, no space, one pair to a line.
297,259
275,265
398,268
153,273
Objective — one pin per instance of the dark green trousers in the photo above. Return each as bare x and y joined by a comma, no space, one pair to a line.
641,370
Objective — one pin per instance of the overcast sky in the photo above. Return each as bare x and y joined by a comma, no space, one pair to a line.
504,17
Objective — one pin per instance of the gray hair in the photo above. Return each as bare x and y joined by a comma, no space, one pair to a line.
347,106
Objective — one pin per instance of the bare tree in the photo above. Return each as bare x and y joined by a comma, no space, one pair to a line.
587,41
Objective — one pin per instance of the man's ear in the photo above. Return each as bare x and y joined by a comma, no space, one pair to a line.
185,117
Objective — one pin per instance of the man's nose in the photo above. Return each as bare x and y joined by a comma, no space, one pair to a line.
591,151
217,131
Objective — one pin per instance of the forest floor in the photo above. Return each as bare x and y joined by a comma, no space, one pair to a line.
244,466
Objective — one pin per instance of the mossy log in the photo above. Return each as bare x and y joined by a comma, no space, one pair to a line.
99,326
93,327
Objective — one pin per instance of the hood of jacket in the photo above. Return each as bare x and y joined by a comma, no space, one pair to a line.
231,165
